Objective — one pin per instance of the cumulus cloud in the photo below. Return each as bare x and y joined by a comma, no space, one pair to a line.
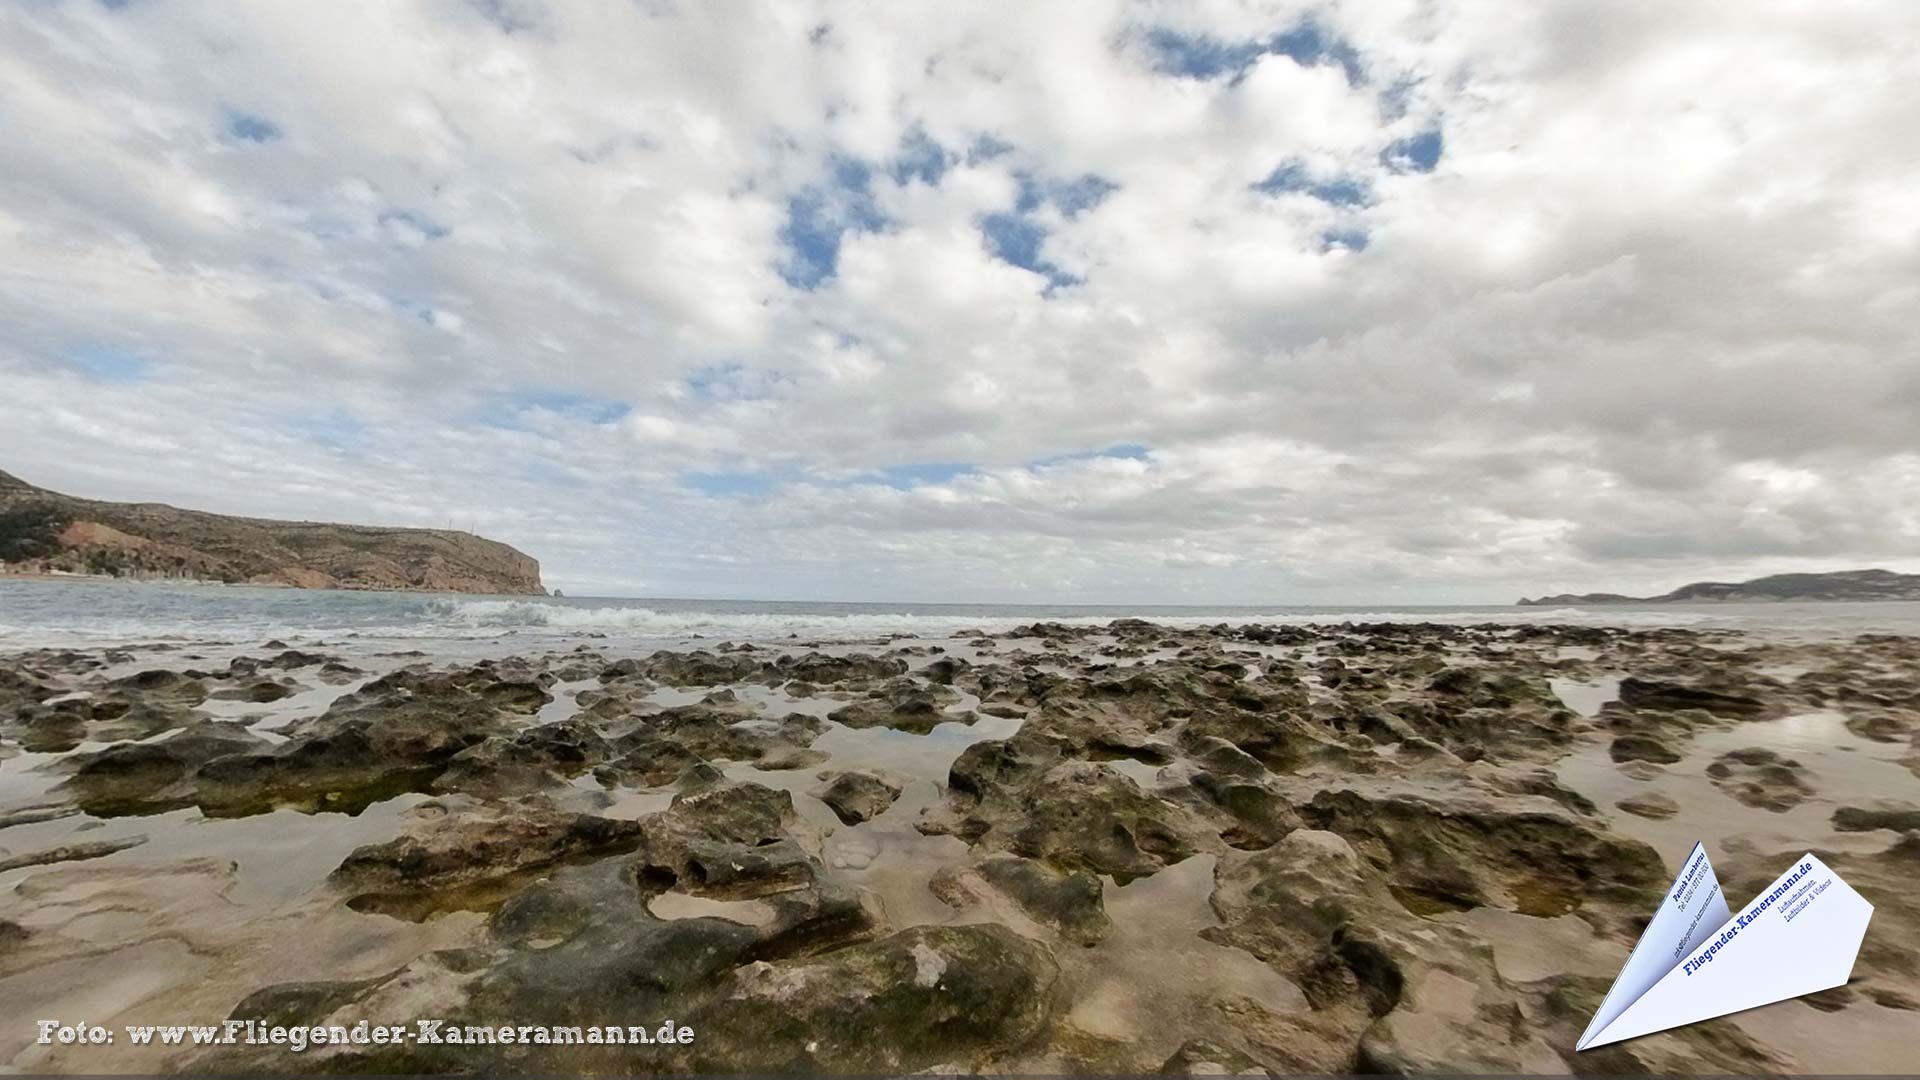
1101,301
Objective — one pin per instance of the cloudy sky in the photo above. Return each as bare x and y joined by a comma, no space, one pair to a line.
1405,300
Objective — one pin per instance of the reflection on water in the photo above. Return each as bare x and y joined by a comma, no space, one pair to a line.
1585,696
1852,1040
678,905
1527,948
1143,989
1844,768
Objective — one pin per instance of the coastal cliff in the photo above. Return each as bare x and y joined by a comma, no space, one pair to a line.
1849,585
43,530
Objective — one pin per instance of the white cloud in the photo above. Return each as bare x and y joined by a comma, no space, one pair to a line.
1647,318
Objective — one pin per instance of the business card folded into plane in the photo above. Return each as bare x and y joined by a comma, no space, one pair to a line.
1698,960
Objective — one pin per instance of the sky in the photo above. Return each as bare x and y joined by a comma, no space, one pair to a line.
1415,301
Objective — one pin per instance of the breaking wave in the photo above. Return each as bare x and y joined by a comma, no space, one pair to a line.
488,616
34,614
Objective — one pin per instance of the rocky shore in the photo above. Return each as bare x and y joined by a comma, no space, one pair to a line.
1059,849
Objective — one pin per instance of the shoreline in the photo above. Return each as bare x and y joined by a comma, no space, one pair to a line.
1543,605
473,626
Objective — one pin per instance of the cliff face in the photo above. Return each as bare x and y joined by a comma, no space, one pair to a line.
1840,585
43,529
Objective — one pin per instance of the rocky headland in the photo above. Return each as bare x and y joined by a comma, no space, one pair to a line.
1393,848
46,532
1842,585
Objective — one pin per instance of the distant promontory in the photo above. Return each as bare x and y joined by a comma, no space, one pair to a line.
44,531
1848,585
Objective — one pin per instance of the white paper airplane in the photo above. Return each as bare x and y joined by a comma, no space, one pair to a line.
1696,960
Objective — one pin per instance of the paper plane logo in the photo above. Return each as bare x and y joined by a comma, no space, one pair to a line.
1698,960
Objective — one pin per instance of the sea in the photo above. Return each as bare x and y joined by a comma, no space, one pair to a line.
36,613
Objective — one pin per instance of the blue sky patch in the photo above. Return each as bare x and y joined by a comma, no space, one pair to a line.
1127,451
728,484
251,127
1195,56
731,382
925,472
986,148
110,363
1416,153
596,410
1351,239
509,411
820,215
812,237
1339,191
919,158
1309,44
1016,239
1070,197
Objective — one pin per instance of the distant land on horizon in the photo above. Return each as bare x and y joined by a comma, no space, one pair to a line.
1841,585
48,532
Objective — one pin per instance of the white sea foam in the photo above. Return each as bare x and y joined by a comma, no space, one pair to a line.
486,617
36,614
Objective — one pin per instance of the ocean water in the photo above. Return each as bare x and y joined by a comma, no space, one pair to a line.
87,612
